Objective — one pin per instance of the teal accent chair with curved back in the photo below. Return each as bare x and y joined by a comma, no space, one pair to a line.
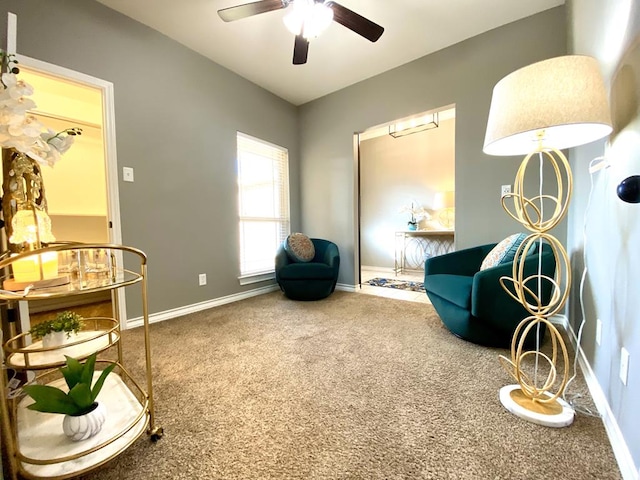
472,304
312,280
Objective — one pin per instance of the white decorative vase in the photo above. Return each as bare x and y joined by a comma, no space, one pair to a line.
82,427
54,339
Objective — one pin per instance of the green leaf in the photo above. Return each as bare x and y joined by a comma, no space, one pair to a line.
72,372
81,395
87,372
50,400
98,386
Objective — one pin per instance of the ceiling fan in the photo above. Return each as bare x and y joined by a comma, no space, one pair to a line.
307,20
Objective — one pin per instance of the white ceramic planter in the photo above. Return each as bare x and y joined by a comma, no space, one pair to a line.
58,339
85,426
54,339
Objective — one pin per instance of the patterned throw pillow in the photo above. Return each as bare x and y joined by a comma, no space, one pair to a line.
504,252
299,247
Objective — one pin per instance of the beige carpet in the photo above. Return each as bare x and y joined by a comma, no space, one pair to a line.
351,387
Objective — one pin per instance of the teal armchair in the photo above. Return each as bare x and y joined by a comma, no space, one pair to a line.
312,280
472,304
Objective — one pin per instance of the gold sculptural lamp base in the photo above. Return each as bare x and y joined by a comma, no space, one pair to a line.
536,111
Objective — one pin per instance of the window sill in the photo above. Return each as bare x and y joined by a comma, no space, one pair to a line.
256,278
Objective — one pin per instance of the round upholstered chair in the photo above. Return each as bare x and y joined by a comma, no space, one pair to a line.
307,270
464,288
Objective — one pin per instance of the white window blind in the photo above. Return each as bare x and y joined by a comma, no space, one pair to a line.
263,188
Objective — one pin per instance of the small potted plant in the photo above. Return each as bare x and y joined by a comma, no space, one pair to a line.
417,213
57,331
83,415
412,224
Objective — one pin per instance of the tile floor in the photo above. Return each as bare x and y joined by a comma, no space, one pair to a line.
417,276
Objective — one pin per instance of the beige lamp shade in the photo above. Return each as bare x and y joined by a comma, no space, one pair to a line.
562,101
444,200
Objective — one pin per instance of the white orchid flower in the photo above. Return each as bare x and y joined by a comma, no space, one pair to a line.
42,153
29,127
59,142
9,79
23,132
18,105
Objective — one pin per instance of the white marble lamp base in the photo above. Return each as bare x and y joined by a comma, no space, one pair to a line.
561,416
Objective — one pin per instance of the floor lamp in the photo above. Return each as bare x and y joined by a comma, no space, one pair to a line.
537,110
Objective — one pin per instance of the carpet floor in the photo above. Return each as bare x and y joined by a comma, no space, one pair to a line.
350,387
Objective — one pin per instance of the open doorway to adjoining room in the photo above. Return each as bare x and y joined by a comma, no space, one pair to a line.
406,201
82,189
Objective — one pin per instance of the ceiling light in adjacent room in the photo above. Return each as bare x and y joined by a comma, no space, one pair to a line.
415,125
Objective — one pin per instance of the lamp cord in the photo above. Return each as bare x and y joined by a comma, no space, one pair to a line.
576,399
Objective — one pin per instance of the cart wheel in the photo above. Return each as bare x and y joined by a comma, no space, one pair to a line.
156,434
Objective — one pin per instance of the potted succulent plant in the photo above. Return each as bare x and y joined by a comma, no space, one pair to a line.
57,331
83,415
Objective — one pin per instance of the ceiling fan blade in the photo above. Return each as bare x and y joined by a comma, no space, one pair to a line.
300,50
357,23
249,9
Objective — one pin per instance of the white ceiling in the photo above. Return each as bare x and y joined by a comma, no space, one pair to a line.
260,48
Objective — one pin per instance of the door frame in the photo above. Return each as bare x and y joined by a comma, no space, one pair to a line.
357,169
111,160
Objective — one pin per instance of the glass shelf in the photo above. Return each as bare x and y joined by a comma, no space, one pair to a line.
121,278
81,268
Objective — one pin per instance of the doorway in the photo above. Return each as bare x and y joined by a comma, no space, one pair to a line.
82,188
406,192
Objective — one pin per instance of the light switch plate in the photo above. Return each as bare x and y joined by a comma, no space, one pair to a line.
127,174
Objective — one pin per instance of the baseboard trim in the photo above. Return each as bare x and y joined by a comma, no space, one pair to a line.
618,444
198,307
344,287
372,268
560,320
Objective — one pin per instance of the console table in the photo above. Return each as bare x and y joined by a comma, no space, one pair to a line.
413,247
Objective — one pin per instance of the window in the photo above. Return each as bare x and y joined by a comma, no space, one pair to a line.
263,194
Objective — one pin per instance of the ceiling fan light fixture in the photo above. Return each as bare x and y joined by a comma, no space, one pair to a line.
308,18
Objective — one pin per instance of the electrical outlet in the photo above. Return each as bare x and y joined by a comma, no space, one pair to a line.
127,174
598,331
624,365
202,279
505,190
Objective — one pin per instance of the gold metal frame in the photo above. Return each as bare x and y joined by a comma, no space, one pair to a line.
536,395
118,278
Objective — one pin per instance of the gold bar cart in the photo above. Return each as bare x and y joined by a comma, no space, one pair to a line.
35,446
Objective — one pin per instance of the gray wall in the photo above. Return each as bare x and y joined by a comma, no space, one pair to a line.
464,75
394,172
610,31
177,114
